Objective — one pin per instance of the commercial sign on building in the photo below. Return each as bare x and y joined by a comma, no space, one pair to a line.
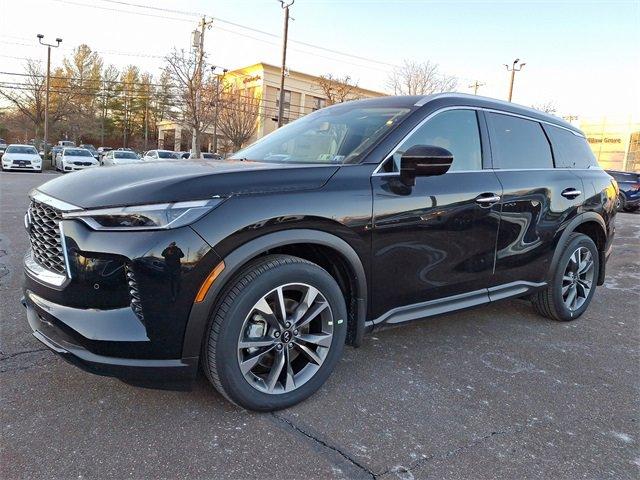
611,142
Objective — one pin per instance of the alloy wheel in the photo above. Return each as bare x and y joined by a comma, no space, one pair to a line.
285,338
577,280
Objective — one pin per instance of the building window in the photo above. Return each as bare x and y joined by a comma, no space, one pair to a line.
318,103
287,105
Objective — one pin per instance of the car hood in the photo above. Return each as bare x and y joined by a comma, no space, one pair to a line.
181,180
22,156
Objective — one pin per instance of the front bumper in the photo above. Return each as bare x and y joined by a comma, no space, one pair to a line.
55,333
99,320
29,168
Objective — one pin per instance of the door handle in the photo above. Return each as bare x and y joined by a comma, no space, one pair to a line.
487,199
571,193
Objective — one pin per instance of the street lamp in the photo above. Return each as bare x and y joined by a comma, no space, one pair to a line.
217,100
513,69
46,98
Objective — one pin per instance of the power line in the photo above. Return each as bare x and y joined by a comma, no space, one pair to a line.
239,25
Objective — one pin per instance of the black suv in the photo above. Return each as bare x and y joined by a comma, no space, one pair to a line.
261,267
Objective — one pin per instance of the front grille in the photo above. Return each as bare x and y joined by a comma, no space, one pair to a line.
44,234
134,292
82,164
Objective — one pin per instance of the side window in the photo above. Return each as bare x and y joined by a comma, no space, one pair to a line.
455,130
569,150
518,143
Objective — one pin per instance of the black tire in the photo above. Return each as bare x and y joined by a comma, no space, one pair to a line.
220,346
631,209
621,202
549,302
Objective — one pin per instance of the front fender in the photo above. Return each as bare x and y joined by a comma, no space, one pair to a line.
233,262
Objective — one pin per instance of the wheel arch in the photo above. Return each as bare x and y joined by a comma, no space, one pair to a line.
592,225
329,251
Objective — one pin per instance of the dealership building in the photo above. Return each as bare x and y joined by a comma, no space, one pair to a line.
303,94
614,141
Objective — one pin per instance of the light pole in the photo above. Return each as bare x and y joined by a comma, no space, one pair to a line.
46,98
215,115
285,6
513,69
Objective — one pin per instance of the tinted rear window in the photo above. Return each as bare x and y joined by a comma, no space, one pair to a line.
518,143
569,150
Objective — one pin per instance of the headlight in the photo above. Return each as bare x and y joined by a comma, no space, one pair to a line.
145,217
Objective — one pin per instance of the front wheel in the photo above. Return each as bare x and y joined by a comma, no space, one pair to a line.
573,283
620,202
277,333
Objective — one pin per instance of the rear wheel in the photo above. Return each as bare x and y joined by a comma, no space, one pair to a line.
620,202
574,281
276,334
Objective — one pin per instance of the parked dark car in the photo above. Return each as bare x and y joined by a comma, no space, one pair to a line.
92,149
261,267
629,185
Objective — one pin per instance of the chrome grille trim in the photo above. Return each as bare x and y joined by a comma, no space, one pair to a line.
47,260
134,292
37,271
44,234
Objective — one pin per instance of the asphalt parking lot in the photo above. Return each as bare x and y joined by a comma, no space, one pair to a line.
496,392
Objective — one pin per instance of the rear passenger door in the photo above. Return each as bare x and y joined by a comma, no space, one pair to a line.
537,198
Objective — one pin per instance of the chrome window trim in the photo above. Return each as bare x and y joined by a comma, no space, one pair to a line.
377,173
53,202
525,117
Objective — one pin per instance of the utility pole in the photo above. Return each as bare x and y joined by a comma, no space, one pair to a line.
476,85
215,115
46,98
285,6
513,69
146,122
198,44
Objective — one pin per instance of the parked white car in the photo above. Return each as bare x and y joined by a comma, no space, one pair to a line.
70,159
155,155
119,157
21,157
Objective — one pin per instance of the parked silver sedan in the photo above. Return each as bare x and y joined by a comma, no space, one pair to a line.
119,157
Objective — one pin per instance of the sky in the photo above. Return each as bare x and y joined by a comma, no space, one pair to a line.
582,56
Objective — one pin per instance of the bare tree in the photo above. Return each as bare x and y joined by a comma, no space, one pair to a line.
189,83
238,115
547,107
27,98
338,89
425,78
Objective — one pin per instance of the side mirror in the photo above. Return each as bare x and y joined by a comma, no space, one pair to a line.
424,161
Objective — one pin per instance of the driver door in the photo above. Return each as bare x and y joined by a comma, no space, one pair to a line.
438,238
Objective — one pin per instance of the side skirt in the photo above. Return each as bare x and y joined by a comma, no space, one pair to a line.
455,302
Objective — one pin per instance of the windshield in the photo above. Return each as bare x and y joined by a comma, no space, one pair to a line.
88,147
77,153
21,149
130,155
168,154
335,135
